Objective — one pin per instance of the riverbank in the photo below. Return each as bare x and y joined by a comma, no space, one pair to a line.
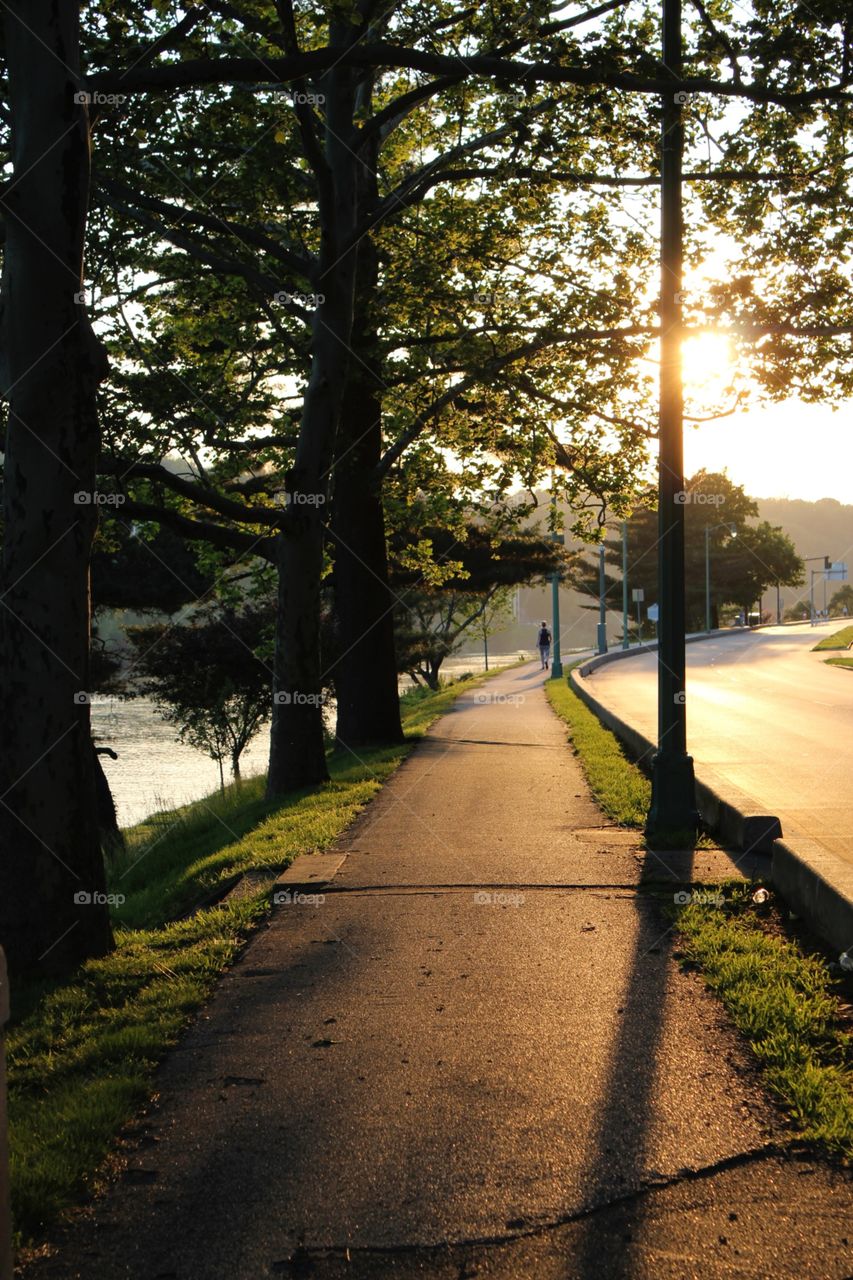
82,1053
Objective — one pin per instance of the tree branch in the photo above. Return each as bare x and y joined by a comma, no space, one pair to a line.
203,531
313,62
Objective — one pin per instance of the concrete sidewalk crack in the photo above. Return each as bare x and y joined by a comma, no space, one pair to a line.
768,1151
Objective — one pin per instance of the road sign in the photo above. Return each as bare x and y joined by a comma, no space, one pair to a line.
637,595
837,572
653,613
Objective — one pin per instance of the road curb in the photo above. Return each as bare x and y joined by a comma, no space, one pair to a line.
614,655
816,885
732,816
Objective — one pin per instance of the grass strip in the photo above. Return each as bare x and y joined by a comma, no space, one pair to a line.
619,786
840,662
783,1002
81,1052
842,639
780,998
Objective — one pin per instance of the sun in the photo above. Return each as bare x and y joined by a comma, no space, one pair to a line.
707,367
707,360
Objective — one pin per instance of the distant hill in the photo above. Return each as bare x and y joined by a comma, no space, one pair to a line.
823,528
816,528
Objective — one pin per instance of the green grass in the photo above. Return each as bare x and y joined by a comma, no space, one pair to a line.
81,1053
842,639
619,786
778,996
782,1001
840,662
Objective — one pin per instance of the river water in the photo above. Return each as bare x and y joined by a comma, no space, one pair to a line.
155,771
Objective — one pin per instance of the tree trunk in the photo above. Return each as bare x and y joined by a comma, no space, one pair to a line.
235,766
365,672
53,912
297,746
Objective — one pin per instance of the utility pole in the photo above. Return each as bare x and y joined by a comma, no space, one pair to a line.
672,817
625,641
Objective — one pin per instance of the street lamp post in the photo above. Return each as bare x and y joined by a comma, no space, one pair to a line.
709,529
672,818
602,604
826,565
625,640
556,663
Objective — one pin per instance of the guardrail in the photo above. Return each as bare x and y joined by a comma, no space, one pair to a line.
5,1206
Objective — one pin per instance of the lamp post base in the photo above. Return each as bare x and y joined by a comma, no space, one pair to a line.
557,670
673,819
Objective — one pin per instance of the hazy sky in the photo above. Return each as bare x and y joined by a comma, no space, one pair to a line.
789,450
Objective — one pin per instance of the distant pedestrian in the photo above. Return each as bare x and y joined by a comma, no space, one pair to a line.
544,645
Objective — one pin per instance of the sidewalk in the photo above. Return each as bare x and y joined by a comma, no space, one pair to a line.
476,1057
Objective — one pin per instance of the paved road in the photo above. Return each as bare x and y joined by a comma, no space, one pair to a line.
768,714
477,1057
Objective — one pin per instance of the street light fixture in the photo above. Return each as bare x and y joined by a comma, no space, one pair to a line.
709,529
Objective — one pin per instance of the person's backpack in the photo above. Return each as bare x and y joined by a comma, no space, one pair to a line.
544,636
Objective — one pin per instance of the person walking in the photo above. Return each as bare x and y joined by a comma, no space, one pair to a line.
544,645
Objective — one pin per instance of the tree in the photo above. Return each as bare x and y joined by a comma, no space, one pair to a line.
210,679
360,82
435,624
494,617
762,556
53,911
468,578
741,566
842,599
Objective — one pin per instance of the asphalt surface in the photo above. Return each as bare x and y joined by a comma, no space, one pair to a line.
476,1056
767,715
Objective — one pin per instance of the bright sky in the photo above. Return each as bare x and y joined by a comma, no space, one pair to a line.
787,450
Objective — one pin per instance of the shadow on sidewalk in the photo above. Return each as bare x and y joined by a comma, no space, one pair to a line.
620,1149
